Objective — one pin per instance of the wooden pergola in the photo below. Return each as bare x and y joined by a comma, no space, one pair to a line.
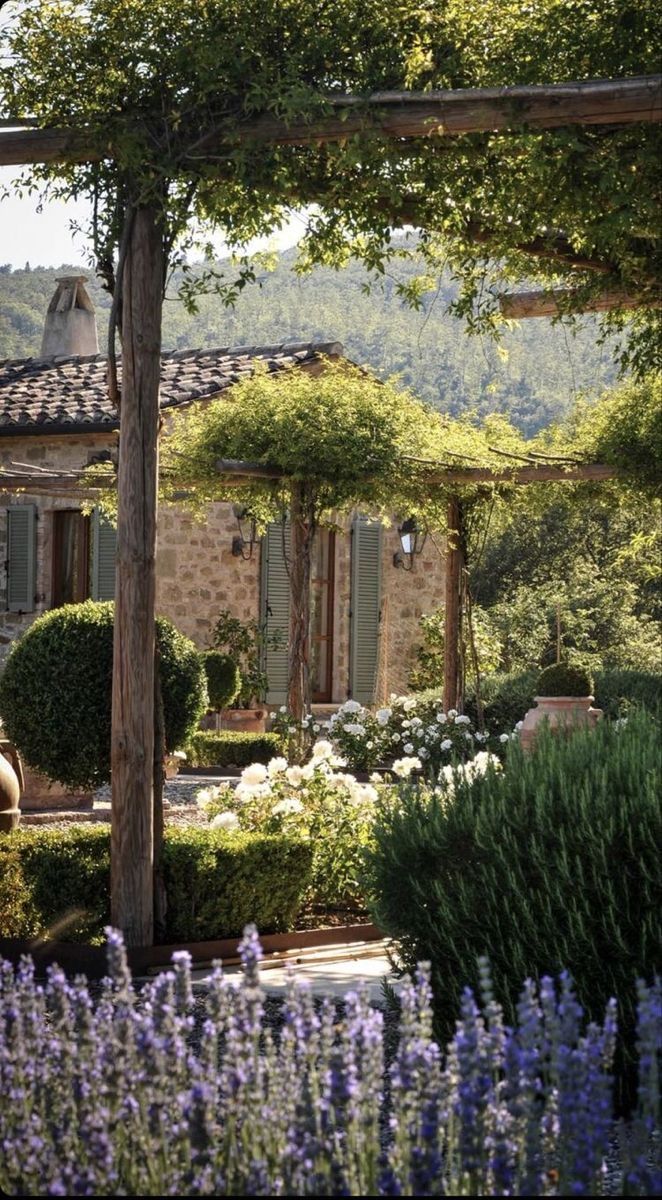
430,116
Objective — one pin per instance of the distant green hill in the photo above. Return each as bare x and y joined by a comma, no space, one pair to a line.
533,377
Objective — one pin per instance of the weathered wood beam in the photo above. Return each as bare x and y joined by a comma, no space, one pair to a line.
132,738
542,473
387,114
519,306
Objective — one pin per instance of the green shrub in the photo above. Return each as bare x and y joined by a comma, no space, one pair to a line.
58,881
506,698
55,692
552,863
564,679
223,678
208,749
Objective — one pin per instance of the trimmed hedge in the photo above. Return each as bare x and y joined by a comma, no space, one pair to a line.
55,692
507,697
551,864
209,749
57,881
565,679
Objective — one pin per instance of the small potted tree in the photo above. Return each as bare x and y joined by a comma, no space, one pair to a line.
223,682
564,700
242,641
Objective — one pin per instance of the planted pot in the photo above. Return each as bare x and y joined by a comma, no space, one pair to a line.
563,714
244,720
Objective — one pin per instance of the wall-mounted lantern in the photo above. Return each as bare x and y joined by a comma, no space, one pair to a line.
247,536
412,541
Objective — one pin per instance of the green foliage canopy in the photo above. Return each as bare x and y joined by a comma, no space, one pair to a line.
153,77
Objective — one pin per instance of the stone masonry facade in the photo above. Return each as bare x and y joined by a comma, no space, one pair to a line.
197,575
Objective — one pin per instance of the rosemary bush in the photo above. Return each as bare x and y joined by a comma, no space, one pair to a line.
107,1094
551,862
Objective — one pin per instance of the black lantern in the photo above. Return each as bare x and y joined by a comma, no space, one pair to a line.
412,541
247,535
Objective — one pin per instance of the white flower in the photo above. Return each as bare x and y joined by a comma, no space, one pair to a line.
504,737
276,767
441,718
285,808
446,744
406,724
351,706
415,721
480,737
370,745
255,773
245,791
403,767
452,713
409,704
357,730
365,794
396,737
383,715
619,723
283,708
310,769
408,748
305,722
316,728
519,725
291,729
423,753
336,761
203,796
179,754
322,749
294,775
225,820
469,736
462,720
376,777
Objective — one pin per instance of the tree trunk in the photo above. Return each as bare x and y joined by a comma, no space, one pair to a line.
302,532
132,748
453,614
160,899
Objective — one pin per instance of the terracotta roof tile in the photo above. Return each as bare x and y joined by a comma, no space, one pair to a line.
71,393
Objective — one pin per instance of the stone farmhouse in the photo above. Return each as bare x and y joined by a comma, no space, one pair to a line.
55,416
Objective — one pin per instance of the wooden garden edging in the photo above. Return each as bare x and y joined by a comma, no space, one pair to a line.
92,961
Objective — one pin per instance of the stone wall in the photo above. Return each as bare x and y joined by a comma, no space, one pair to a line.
197,575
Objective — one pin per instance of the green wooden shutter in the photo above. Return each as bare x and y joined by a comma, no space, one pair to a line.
365,608
275,610
21,557
104,544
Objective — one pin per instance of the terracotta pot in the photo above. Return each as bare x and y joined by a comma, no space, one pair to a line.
11,782
40,792
563,713
244,720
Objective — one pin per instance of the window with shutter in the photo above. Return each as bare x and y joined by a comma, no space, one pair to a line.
275,610
21,557
365,608
104,545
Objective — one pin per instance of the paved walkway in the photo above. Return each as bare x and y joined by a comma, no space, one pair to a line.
332,971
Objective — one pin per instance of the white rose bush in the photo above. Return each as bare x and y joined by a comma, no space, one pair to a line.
318,800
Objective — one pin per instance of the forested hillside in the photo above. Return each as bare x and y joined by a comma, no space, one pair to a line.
533,375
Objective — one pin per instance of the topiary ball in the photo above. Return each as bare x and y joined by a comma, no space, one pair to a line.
565,679
223,678
55,692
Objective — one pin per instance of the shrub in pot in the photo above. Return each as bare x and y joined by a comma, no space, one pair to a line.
563,700
223,680
55,692
245,641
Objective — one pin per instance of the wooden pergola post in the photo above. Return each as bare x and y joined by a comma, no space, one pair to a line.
132,747
453,606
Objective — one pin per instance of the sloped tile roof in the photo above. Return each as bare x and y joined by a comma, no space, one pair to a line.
70,394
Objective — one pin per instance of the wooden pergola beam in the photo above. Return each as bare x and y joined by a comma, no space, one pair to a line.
519,306
386,114
542,473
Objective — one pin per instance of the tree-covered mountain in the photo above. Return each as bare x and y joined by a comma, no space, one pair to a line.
533,375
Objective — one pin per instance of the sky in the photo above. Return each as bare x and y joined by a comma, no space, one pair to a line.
45,239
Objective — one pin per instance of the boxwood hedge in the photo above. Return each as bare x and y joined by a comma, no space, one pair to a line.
57,881
208,749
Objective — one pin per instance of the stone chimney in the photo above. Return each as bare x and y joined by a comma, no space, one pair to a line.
70,326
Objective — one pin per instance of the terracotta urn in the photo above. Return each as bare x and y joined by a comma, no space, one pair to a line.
11,785
562,713
244,720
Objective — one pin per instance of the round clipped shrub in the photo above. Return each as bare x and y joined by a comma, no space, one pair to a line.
55,692
223,678
565,679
